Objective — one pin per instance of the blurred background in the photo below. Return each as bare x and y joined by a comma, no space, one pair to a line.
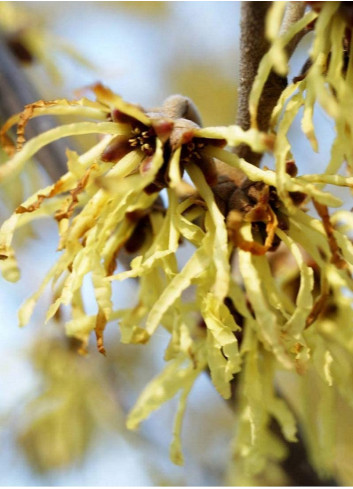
62,416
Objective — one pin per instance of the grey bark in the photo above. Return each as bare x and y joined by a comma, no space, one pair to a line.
253,46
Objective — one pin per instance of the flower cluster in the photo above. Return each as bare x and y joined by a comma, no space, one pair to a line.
263,315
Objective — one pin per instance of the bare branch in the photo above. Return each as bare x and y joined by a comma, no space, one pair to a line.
253,46
294,11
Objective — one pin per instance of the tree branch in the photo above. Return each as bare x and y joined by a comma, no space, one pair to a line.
294,11
253,46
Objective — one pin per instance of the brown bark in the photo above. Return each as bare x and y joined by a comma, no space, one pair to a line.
253,46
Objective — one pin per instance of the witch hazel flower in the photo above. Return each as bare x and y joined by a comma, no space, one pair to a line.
110,200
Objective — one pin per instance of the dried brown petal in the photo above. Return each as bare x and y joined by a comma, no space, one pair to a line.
25,116
99,330
81,185
234,222
319,305
40,197
236,218
336,258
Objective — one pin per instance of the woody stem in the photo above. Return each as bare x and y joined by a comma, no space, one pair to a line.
253,46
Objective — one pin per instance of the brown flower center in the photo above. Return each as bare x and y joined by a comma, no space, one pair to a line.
191,151
144,139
